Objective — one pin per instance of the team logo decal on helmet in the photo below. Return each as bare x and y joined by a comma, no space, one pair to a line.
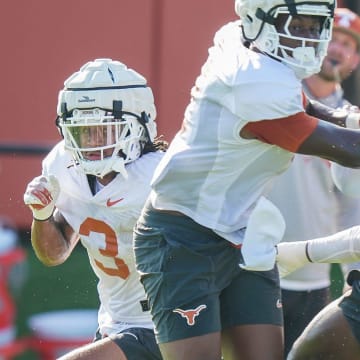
106,114
258,18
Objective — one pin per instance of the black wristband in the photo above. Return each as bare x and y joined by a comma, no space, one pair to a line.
307,252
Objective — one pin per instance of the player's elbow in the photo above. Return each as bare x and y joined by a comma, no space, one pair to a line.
50,261
49,257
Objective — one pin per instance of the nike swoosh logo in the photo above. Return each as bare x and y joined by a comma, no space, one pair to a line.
110,203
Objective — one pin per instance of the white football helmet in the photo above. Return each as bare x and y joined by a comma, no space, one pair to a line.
258,18
106,115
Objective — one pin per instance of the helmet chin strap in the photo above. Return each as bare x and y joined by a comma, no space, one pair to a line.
114,163
119,166
300,57
304,54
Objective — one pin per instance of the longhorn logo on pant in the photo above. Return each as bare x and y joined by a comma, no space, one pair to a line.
190,314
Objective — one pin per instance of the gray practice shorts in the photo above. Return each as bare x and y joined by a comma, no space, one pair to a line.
193,280
137,344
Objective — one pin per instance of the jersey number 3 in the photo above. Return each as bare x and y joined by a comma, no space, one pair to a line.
111,246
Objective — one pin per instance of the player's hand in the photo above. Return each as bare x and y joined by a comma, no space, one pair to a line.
291,256
41,195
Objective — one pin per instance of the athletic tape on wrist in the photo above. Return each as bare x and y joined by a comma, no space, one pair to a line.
352,121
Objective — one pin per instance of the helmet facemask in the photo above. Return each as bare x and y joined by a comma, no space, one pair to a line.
101,143
305,58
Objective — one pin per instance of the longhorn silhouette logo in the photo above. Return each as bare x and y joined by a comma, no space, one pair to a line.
190,314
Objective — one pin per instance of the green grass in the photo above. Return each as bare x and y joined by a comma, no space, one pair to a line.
337,281
71,285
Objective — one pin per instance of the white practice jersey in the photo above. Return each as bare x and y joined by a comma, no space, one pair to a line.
105,222
209,172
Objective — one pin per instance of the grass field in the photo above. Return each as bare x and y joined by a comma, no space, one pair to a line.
68,286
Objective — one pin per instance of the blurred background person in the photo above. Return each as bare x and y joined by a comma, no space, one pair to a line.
13,274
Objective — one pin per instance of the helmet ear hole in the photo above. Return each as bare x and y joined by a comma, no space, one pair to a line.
249,18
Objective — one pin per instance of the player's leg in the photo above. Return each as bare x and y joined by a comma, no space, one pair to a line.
131,344
252,317
102,349
328,336
253,342
335,332
204,347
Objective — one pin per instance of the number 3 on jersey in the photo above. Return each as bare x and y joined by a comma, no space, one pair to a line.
111,246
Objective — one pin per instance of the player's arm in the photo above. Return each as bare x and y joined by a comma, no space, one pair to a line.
51,236
321,111
341,247
53,239
334,143
304,134
348,116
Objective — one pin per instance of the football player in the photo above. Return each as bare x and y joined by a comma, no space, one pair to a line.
207,212
92,188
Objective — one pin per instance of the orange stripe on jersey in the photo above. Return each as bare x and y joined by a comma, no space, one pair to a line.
288,133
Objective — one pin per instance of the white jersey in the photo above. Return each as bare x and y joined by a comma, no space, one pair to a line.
211,173
105,222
